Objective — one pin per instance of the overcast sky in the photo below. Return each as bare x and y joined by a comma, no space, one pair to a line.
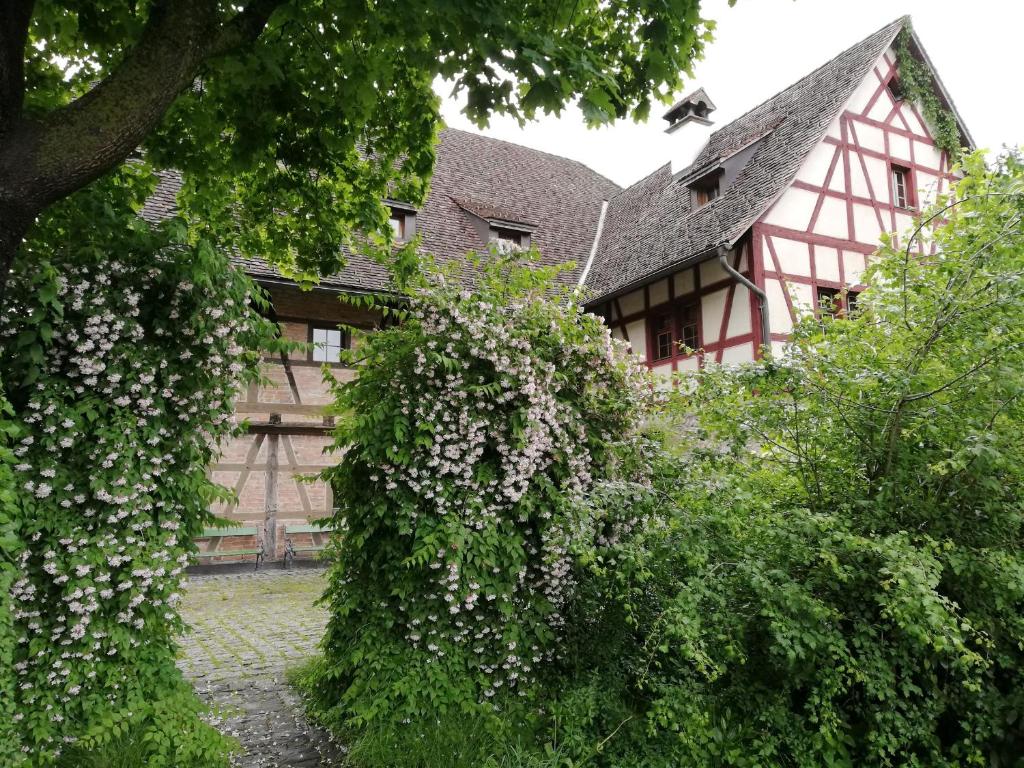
763,46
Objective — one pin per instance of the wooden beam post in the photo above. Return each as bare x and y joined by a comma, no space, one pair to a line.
270,493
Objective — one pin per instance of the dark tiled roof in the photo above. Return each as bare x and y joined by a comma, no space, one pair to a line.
650,226
559,199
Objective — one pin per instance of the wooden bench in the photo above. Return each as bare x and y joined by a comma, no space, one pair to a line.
290,550
217,535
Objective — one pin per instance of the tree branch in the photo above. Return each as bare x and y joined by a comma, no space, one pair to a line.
46,159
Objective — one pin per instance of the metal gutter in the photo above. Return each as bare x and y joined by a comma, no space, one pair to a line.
593,248
762,297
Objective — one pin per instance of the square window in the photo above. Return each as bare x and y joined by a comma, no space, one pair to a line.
828,301
327,344
901,187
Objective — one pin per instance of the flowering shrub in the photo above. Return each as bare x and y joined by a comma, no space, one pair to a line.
121,352
474,430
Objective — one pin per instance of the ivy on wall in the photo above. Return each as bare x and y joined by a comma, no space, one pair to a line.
918,86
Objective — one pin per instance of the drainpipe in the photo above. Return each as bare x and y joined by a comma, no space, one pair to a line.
762,297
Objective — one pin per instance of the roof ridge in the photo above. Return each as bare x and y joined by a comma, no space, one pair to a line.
897,22
563,158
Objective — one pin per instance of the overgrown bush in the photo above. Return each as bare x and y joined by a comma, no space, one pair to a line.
474,430
838,577
121,349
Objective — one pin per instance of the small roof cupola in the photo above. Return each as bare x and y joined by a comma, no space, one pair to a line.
693,108
689,128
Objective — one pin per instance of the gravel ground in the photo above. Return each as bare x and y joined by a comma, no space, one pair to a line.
247,630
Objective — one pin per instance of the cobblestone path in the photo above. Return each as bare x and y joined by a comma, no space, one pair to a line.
247,630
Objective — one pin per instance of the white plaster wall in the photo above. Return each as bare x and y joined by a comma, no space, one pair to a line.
778,309
853,266
815,167
617,333
927,154
794,256
865,224
838,182
712,310
684,282
803,298
858,184
878,172
739,314
632,303
864,92
927,188
899,147
658,292
663,372
712,272
793,210
688,364
638,337
826,262
832,219
869,137
881,108
741,353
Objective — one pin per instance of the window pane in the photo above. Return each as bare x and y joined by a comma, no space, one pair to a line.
327,345
398,226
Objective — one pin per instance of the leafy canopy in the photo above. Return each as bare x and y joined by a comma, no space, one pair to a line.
291,139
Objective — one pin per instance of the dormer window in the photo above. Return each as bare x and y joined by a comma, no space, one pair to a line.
509,240
705,190
402,220
397,222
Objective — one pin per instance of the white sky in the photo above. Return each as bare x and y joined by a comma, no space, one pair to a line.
763,46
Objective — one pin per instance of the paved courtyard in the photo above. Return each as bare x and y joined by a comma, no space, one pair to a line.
248,629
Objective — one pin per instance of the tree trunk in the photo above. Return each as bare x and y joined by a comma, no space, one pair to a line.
12,231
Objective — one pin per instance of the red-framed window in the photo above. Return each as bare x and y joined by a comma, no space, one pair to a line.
834,302
902,186
663,335
673,330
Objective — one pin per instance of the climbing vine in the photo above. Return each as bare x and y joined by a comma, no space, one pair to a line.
917,83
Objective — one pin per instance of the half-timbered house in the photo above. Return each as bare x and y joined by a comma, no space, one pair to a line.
709,259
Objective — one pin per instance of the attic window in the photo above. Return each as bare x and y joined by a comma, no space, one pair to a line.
705,190
895,88
508,239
